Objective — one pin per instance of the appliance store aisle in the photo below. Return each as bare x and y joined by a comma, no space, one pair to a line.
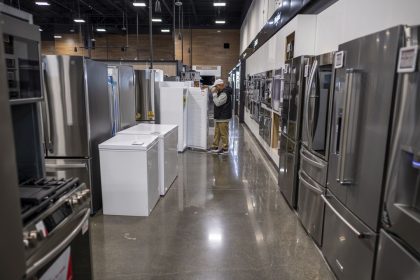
224,218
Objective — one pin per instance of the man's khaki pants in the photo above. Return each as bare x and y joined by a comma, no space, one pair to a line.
221,132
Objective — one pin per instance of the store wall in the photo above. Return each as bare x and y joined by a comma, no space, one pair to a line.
109,47
208,48
258,14
317,34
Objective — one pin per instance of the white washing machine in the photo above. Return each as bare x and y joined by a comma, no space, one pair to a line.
168,154
129,175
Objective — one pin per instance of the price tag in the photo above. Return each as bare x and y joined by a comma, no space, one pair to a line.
407,60
339,60
306,70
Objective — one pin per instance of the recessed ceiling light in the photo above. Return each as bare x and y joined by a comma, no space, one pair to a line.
101,29
165,30
220,21
219,4
139,4
42,3
40,29
156,19
57,37
79,20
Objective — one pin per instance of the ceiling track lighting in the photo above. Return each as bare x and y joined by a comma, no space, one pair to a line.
219,4
42,3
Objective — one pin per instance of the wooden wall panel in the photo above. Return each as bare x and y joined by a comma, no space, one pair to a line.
207,47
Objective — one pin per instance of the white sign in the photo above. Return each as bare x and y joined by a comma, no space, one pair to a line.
339,60
61,269
407,60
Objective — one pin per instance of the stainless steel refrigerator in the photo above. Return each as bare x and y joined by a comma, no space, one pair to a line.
315,141
399,245
146,105
364,92
76,119
290,126
122,96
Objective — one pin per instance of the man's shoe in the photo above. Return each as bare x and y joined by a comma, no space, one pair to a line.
213,150
223,152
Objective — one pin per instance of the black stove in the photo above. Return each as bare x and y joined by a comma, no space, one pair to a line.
36,195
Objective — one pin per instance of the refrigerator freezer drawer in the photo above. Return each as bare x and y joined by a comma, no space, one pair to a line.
313,166
348,245
394,261
311,207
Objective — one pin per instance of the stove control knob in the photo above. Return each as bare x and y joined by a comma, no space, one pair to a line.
30,239
75,200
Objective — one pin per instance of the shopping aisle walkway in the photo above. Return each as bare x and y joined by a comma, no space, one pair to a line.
224,218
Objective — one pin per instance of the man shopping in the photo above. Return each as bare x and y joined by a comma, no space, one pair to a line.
222,99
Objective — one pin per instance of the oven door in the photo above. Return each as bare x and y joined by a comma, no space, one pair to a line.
65,254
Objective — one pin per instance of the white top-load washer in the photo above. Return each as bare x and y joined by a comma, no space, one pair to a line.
168,154
129,175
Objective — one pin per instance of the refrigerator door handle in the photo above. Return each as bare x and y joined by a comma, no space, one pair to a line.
309,185
49,144
66,166
347,223
60,247
308,96
313,162
350,117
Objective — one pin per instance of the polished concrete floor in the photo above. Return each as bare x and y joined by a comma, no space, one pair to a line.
223,218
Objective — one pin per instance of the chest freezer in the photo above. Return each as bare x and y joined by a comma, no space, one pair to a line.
129,175
167,150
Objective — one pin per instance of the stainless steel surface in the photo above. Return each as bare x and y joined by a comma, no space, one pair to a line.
70,168
145,94
394,261
401,216
65,113
313,166
65,242
316,112
349,256
347,223
348,136
12,263
77,107
310,207
375,56
288,178
127,96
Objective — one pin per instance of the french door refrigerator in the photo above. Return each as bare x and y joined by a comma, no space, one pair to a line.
362,114
290,126
399,245
314,151
76,119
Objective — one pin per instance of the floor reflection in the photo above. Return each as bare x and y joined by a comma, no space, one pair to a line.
224,218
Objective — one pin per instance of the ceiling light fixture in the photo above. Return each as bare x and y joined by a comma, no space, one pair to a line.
219,4
79,20
100,29
42,3
57,37
218,31
139,4
220,21
156,19
165,30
